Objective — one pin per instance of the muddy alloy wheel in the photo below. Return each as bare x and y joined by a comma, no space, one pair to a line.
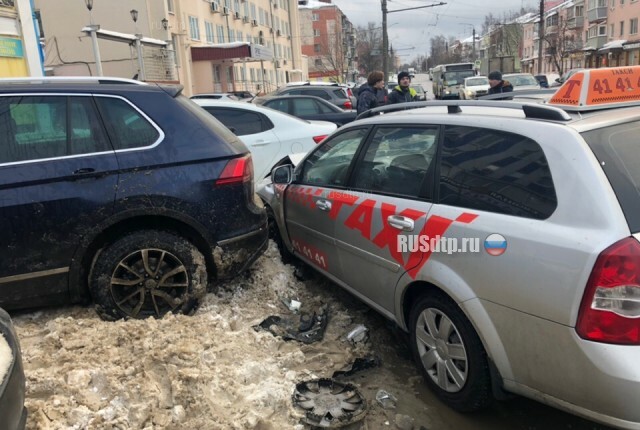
148,273
450,353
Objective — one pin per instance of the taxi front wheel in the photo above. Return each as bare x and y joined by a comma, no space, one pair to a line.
449,353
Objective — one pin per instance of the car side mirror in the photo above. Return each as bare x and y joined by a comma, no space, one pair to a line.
282,174
558,80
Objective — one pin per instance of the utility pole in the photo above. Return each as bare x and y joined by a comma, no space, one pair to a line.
385,42
540,36
385,37
474,44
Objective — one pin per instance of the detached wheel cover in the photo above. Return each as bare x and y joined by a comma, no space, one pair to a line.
441,350
153,281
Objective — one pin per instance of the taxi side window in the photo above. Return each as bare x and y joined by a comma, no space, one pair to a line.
397,161
329,164
495,171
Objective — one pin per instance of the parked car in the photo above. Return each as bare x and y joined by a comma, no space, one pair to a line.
309,107
522,81
243,95
545,304
561,80
12,381
473,87
422,94
121,192
217,96
269,134
338,95
545,80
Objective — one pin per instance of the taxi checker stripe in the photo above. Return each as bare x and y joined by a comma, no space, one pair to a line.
435,226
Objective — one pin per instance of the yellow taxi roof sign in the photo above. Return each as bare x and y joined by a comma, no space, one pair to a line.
608,87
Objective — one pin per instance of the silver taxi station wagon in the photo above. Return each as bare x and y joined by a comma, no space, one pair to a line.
504,237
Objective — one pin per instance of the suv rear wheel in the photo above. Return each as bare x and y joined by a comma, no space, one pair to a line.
148,273
449,353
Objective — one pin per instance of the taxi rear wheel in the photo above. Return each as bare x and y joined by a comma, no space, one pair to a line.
450,353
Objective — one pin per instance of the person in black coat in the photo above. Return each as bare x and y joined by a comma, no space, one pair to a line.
403,93
368,93
497,85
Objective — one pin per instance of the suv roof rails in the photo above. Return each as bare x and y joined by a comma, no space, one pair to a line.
70,80
531,110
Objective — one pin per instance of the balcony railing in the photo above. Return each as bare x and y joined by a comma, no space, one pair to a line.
597,41
575,22
597,14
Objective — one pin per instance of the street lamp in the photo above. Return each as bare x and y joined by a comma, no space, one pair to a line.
165,23
134,17
94,37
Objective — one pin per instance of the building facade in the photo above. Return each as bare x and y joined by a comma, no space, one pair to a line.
206,45
328,40
20,52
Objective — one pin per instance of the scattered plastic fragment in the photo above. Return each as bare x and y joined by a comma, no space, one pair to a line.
306,328
359,334
386,400
358,364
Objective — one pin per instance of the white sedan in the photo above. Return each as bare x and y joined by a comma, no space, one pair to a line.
270,135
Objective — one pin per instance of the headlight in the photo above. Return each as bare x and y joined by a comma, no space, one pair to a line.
447,92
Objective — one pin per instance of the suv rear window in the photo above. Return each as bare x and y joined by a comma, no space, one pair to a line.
616,147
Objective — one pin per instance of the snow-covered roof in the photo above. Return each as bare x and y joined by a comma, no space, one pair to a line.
614,44
223,45
313,4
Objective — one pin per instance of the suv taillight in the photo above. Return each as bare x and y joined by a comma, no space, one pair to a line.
348,105
610,308
237,171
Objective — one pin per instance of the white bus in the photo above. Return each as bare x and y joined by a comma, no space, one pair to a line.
448,79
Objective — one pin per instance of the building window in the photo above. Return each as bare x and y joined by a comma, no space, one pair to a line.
318,62
194,28
633,26
232,36
315,17
208,28
174,46
621,28
611,30
170,6
220,31
316,47
316,32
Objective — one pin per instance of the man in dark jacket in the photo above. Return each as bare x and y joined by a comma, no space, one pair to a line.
368,93
497,85
402,93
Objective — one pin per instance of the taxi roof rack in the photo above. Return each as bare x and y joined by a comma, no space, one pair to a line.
70,80
531,110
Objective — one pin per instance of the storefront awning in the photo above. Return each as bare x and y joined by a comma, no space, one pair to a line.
631,45
125,37
231,51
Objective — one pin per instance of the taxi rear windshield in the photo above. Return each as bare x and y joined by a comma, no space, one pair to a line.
618,150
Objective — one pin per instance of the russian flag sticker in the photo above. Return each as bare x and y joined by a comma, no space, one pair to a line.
495,244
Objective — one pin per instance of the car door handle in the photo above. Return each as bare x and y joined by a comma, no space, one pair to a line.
84,171
323,205
401,222
261,143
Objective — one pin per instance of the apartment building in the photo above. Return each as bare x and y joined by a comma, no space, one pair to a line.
623,44
328,40
206,45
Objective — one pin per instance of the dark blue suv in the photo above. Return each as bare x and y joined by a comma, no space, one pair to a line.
125,193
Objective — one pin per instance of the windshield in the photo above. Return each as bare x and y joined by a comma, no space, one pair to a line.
477,81
457,78
616,147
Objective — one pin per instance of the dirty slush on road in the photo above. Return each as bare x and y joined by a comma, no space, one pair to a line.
216,369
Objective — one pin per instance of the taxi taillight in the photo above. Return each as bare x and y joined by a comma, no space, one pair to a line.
610,308
237,171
